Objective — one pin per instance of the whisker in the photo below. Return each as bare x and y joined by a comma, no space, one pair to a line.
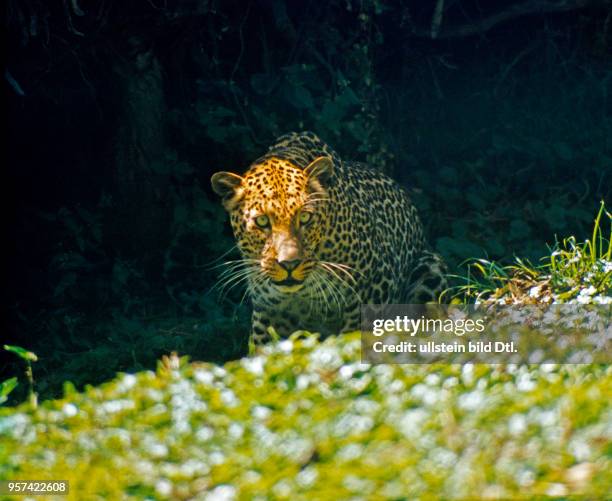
230,284
231,273
347,270
316,199
329,268
336,295
339,288
322,295
238,270
313,299
315,193
234,262
321,197
209,264
340,265
257,278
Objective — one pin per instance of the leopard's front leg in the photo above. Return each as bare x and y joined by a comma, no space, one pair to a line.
259,327
351,317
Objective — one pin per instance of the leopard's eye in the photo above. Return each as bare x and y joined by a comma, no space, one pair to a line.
262,221
305,217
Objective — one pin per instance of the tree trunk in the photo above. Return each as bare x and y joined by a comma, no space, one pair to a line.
142,215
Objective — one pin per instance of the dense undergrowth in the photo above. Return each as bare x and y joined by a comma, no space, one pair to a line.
502,146
503,143
573,271
303,419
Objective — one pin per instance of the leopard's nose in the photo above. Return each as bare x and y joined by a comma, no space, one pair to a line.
290,265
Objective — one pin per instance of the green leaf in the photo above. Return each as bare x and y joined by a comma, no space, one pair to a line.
555,216
563,151
458,247
21,352
519,229
448,175
475,198
302,98
6,387
262,83
348,97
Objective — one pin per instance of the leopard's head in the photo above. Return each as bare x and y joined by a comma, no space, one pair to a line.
278,215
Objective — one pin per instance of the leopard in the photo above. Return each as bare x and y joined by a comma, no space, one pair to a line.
319,236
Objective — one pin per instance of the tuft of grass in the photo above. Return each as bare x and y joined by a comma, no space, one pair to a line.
6,387
574,270
10,384
573,264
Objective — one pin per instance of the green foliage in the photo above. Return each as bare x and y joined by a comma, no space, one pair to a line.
331,89
104,314
304,419
22,353
573,265
494,170
289,98
573,270
498,157
6,387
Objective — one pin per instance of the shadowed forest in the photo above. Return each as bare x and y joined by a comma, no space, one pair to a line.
126,368
495,116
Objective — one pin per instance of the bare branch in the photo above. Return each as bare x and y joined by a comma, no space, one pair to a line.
13,83
523,9
76,9
437,19
68,13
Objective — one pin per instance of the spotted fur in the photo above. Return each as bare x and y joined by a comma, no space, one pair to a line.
361,240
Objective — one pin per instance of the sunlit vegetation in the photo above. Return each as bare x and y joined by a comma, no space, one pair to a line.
503,140
304,419
574,270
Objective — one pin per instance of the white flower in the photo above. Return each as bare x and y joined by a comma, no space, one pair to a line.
471,401
127,382
517,424
260,412
602,299
535,291
163,487
204,376
222,493
157,450
228,397
70,410
205,433
584,296
286,346
556,489
254,365
306,477
112,406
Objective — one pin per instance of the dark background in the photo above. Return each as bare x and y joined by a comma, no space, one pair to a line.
118,113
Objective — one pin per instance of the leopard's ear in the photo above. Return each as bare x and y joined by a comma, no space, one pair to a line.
321,169
228,186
